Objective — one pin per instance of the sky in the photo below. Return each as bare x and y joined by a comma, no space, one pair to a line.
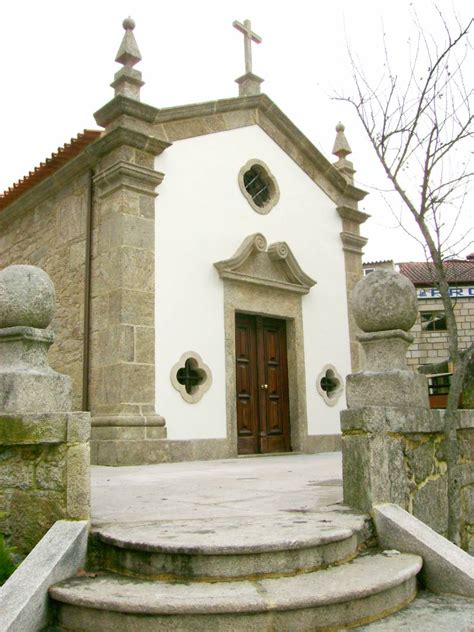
58,63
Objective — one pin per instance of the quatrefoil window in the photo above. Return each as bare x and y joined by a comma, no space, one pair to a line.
191,377
329,384
259,186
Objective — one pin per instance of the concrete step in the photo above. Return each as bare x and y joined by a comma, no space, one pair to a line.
231,548
368,588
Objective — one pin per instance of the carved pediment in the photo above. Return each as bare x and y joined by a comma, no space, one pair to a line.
275,266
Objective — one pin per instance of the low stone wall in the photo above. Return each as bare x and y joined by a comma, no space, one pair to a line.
466,467
393,445
44,473
44,447
398,455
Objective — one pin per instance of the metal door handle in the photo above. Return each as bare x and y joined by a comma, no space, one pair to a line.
264,386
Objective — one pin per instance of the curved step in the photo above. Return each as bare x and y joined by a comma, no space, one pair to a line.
366,589
227,548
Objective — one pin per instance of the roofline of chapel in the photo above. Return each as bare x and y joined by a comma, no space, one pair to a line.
128,121
197,119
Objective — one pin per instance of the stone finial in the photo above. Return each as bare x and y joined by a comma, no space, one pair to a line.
384,300
385,307
27,297
127,80
342,149
128,53
27,383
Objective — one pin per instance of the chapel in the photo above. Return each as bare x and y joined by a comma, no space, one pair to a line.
203,257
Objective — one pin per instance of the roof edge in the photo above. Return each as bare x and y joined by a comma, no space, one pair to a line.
84,160
269,117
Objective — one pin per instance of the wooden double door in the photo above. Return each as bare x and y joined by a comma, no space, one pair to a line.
263,422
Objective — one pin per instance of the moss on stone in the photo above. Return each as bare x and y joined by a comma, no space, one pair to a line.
21,431
32,514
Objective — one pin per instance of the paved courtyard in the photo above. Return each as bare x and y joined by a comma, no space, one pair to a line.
250,497
207,490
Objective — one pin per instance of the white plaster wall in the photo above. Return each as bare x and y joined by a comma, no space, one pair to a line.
202,217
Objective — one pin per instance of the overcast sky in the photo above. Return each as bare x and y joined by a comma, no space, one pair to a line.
58,62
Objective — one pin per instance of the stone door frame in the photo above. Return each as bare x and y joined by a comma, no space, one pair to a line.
270,303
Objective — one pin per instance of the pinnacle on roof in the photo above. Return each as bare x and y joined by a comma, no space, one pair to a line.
342,149
127,80
128,53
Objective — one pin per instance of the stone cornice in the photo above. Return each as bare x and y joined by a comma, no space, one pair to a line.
353,243
86,160
127,176
125,136
325,168
352,214
121,105
215,116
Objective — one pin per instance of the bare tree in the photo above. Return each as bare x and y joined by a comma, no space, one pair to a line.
420,125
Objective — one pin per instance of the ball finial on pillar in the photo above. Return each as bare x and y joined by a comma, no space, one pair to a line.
27,383
385,307
384,300
27,297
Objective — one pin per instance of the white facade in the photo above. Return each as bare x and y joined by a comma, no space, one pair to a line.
202,217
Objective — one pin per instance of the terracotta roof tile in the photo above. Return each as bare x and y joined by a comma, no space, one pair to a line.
377,262
50,165
422,273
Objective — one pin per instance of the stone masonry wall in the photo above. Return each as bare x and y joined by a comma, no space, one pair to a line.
51,235
466,462
425,490
398,455
430,347
44,474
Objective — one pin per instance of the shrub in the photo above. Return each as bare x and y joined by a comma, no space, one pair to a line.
7,565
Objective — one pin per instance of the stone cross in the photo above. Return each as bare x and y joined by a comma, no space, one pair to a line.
249,37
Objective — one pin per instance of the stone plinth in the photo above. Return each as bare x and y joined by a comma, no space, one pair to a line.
249,84
27,382
393,444
386,388
44,447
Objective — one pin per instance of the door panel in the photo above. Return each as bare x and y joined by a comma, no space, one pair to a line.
247,393
262,385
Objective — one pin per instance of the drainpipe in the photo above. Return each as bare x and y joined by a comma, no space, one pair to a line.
87,293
